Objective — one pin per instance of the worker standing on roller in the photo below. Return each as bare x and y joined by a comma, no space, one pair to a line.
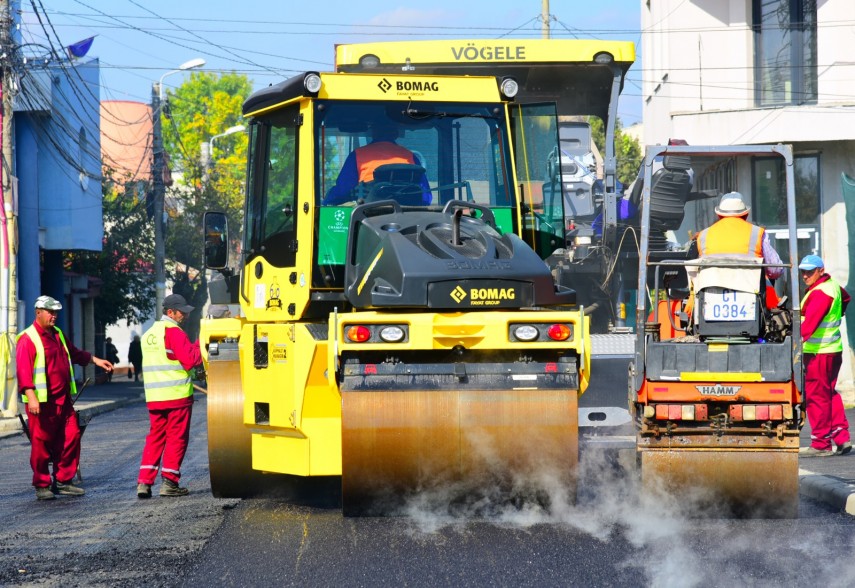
822,311
168,358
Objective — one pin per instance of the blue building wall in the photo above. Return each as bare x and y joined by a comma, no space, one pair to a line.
58,165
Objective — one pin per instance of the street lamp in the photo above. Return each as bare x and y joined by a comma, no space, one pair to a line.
228,131
192,64
158,187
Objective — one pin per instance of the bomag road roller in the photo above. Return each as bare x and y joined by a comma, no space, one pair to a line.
716,383
399,327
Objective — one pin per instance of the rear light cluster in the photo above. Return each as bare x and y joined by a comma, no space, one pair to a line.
679,412
737,412
376,333
760,412
535,332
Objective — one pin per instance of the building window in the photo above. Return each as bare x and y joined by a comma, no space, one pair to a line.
784,52
770,203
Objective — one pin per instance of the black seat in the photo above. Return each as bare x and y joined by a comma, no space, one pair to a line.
397,181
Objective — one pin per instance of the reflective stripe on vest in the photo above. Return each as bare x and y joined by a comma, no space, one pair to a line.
731,236
39,368
826,338
165,379
373,155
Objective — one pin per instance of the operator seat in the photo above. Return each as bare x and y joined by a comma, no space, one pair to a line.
402,182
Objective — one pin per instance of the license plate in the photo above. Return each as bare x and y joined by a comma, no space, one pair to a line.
729,305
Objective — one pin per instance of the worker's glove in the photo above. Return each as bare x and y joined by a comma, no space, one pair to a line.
200,374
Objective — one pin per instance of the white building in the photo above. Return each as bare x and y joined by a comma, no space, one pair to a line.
757,72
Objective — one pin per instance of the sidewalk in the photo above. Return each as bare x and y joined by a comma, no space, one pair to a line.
827,479
93,400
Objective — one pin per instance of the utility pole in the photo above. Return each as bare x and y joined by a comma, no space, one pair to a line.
158,193
8,227
544,16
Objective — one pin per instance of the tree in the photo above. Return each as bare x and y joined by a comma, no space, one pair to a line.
204,106
124,262
627,150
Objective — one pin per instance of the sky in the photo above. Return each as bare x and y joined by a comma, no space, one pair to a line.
137,41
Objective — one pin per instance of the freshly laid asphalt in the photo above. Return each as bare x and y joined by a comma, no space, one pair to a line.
826,479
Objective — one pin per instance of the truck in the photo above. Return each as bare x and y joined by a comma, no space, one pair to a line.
411,341
716,382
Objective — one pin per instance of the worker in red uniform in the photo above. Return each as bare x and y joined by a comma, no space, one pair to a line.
168,361
822,311
44,361
359,166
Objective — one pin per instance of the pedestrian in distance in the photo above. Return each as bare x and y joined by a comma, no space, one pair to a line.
168,360
112,355
44,361
135,359
822,310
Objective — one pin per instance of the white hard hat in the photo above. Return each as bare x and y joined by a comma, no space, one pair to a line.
731,204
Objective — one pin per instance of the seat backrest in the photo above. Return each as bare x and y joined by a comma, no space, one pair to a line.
397,181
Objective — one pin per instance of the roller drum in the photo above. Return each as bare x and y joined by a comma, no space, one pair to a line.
453,448
229,440
760,483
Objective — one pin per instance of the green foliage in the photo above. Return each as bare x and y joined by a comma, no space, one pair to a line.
204,106
628,152
124,263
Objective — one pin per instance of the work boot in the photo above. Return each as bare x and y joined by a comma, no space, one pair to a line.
69,489
844,448
45,493
814,452
170,488
143,490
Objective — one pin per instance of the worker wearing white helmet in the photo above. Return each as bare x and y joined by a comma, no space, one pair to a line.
733,235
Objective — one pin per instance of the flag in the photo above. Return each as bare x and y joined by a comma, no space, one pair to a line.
80,48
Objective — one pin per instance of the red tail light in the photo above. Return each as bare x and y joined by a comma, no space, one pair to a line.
357,333
558,332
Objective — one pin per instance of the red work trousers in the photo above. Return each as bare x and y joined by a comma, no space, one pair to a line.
824,405
55,437
167,439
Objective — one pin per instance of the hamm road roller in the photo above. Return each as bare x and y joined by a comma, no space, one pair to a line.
716,383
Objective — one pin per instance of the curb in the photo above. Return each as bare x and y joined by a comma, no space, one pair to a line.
835,492
12,426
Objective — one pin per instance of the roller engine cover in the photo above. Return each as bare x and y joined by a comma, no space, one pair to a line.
443,260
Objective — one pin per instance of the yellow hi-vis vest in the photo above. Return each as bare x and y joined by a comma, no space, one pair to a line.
826,338
39,367
164,378
731,236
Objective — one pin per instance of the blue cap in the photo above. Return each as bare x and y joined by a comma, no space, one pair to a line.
811,262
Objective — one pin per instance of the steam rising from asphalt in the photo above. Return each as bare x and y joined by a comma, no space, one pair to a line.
670,544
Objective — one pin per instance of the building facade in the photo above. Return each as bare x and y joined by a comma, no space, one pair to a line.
728,72
57,166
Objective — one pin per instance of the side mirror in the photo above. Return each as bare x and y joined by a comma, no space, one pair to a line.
216,240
